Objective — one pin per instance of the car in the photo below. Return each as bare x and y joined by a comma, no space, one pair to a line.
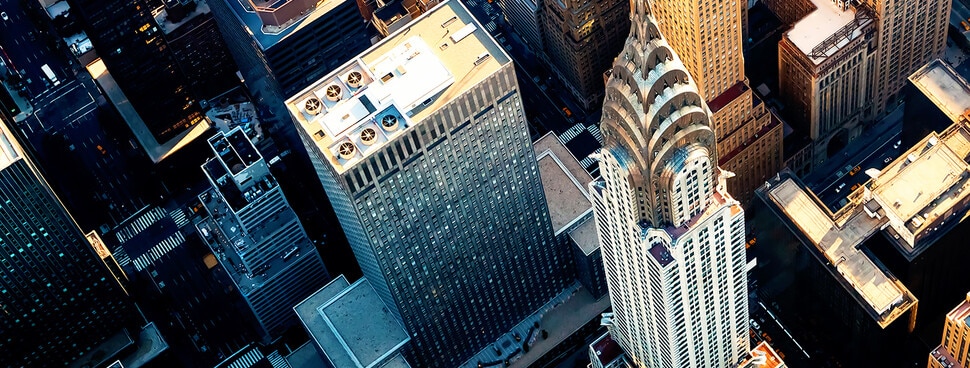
4,16
854,170
839,188
897,144
887,160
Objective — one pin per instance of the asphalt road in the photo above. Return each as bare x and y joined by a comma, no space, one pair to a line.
26,49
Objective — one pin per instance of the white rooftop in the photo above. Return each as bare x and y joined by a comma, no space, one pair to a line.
9,150
824,21
942,85
394,85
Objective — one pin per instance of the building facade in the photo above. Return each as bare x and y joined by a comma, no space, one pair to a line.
255,235
421,145
582,38
954,350
707,37
58,298
671,236
525,17
825,79
194,38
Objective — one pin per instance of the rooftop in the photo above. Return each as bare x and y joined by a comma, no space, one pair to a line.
156,150
352,325
585,236
837,238
394,85
943,356
763,356
942,84
961,312
564,181
926,185
9,148
161,16
829,25
606,349
266,36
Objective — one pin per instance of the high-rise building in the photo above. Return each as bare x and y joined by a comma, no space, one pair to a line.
825,63
707,36
911,33
672,237
954,350
255,235
194,38
422,147
59,300
525,17
143,66
582,37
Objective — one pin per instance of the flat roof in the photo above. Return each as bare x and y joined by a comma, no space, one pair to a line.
266,38
352,325
155,150
838,241
825,21
763,356
9,148
306,356
942,85
585,236
394,85
564,182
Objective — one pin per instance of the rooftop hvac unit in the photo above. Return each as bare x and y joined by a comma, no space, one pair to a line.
312,105
389,123
334,93
346,150
368,136
354,79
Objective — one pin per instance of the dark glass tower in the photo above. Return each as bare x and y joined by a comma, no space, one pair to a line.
57,299
135,51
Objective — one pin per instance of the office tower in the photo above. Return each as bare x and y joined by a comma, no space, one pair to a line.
707,36
255,234
525,17
58,299
582,37
282,47
936,97
911,33
193,37
136,54
825,63
422,147
954,350
672,237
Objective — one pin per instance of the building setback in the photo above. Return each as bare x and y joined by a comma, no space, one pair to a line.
954,350
255,235
59,300
422,147
671,236
707,37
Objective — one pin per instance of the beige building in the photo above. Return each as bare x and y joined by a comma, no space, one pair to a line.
582,37
707,37
825,76
954,349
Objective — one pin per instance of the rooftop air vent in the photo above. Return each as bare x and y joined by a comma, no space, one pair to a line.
354,79
368,136
389,123
482,58
312,105
334,92
346,150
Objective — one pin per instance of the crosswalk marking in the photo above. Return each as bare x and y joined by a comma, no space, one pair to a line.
159,250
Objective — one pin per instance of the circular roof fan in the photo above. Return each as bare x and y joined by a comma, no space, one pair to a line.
333,92
368,136
354,78
346,150
312,105
389,123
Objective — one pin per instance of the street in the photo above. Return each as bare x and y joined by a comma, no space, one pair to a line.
26,49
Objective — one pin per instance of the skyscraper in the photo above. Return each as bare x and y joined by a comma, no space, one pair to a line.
135,52
255,234
57,298
422,147
672,237
581,39
706,35
954,350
